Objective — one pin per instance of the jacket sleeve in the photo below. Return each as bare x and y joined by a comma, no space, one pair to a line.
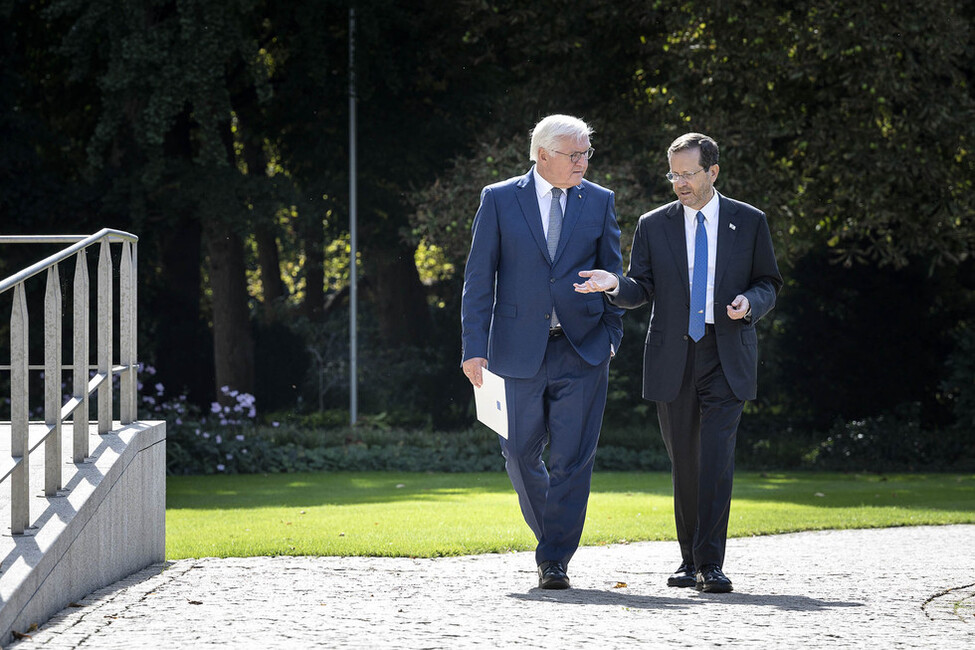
765,277
636,287
608,257
480,277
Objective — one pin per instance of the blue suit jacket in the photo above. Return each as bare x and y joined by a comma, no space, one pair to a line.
745,264
510,284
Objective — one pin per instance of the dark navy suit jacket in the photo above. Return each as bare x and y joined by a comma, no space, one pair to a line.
745,264
510,284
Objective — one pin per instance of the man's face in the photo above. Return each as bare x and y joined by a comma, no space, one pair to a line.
557,167
696,189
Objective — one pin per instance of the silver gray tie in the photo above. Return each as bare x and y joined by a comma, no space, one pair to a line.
554,222
554,230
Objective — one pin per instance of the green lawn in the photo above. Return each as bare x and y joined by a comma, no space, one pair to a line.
424,515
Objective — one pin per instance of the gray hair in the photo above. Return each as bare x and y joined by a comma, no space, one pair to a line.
547,133
707,146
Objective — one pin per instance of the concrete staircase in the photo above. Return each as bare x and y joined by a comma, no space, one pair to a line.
108,522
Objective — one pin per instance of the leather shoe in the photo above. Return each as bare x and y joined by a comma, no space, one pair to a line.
551,575
684,576
711,580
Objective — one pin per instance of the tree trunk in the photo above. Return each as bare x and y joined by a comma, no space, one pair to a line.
233,343
313,242
400,299
270,263
264,232
180,337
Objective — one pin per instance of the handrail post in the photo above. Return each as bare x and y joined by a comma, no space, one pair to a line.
82,325
127,378
105,331
19,478
134,325
52,382
84,387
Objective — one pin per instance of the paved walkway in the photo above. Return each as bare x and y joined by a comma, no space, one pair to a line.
890,588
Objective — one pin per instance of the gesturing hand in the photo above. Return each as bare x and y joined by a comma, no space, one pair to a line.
738,308
599,280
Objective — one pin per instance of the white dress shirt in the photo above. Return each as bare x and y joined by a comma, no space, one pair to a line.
710,211
543,191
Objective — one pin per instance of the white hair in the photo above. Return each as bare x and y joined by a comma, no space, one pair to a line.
547,133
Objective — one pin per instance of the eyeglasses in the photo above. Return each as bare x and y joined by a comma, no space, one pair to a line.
673,178
576,155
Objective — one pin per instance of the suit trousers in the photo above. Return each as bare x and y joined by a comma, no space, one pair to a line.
699,429
562,405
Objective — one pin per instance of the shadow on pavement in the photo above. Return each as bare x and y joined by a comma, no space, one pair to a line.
636,601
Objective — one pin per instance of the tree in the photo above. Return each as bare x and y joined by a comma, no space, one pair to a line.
199,123
159,137
834,135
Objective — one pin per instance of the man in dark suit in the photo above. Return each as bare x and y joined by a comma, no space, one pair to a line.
523,321
706,264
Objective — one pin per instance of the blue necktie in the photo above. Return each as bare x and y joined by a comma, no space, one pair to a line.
699,284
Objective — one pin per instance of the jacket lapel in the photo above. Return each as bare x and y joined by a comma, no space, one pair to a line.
727,233
676,237
528,200
575,199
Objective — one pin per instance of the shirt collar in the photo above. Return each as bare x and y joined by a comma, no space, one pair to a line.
710,210
542,186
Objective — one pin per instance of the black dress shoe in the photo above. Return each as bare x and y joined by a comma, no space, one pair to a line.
684,576
551,575
712,581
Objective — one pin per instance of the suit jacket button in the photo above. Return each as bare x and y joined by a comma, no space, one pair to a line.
552,280
547,316
686,337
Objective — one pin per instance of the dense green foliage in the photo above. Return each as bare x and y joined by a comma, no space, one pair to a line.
886,443
217,130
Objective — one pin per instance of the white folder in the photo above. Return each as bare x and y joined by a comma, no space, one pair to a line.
492,407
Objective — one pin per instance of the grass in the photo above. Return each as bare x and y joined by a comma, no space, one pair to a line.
428,515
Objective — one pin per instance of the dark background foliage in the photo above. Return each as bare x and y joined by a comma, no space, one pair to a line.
217,130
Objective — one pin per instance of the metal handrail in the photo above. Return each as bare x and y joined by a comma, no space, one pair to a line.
76,407
83,241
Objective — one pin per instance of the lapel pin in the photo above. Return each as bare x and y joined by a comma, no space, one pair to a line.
731,225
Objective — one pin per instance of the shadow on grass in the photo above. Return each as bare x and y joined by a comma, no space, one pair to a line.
927,491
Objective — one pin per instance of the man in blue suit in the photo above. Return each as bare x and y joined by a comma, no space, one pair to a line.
706,264
522,320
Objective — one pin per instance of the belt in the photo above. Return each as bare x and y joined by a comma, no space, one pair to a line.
555,332
708,331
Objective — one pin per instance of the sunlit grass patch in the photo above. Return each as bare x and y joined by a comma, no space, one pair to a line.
428,515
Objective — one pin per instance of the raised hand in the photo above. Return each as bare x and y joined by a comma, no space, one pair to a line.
598,280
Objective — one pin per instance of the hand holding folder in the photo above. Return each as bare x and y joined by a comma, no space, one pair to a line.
492,407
